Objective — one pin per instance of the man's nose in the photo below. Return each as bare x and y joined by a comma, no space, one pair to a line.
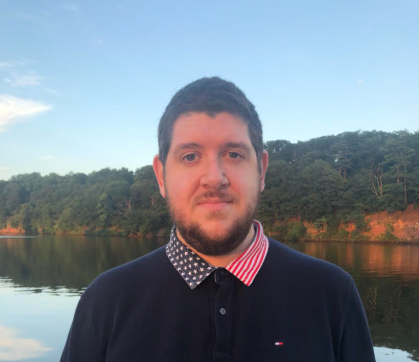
214,175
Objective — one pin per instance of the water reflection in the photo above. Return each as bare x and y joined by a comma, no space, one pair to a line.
35,314
44,272
15,348
375,259
387,277
66,262
383,354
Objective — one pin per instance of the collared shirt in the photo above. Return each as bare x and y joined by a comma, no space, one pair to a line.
193,269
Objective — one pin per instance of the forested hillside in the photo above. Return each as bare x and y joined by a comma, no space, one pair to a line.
327,182
335,180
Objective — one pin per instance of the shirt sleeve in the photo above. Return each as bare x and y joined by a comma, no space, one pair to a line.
81,345
356,339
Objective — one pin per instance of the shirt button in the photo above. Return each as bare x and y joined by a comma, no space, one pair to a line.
223,311
222,272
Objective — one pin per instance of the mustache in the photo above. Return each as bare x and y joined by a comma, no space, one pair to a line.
210,195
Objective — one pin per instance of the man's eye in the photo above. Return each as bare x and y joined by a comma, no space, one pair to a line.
234,155
190,157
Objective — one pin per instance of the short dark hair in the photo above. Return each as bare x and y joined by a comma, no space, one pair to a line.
211,96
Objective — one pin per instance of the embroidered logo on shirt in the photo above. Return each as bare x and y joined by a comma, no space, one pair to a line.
279,343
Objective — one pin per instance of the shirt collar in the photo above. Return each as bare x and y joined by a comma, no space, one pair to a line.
193,269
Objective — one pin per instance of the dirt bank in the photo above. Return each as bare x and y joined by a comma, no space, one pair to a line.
402,224
12,231
381,226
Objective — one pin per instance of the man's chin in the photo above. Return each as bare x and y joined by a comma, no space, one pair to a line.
215,236
215,224
219,229
219,219
213,232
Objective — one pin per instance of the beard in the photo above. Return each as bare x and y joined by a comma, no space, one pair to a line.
212,244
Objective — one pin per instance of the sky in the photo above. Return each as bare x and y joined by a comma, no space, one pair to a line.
83,84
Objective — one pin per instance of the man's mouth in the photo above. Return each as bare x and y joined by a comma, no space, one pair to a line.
214,204
214,201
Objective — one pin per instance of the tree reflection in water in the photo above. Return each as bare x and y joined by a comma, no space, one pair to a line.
387,275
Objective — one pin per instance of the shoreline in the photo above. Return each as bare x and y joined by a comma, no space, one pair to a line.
401,227
276,237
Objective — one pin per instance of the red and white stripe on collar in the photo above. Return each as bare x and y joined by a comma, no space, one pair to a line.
247,265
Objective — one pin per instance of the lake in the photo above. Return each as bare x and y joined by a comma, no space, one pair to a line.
42,278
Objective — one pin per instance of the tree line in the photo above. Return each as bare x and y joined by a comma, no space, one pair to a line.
328,181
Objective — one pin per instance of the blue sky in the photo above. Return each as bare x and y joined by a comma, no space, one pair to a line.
84,83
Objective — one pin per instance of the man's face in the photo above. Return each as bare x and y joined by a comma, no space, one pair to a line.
211,181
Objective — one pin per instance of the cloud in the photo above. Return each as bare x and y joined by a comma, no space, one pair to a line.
13,109
360,81
6,65
14,64
13,348
24,80
4,168
46,157
70,7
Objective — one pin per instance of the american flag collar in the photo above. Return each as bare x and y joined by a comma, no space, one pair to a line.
194,269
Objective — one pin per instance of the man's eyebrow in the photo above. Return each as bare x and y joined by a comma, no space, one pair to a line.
192,145
187,146
239,145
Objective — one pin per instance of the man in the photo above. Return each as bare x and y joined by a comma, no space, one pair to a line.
220,289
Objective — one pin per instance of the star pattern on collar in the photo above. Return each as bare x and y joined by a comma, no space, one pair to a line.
193,269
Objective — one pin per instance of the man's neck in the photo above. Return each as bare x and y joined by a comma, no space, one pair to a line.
224,260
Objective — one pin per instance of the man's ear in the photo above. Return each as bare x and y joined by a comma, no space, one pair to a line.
159,172
264,166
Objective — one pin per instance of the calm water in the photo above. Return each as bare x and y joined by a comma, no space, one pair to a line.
41,280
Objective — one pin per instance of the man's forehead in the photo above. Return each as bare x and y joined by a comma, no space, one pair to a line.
194,130
202,122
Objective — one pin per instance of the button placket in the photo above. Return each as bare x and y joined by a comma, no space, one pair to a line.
222,315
